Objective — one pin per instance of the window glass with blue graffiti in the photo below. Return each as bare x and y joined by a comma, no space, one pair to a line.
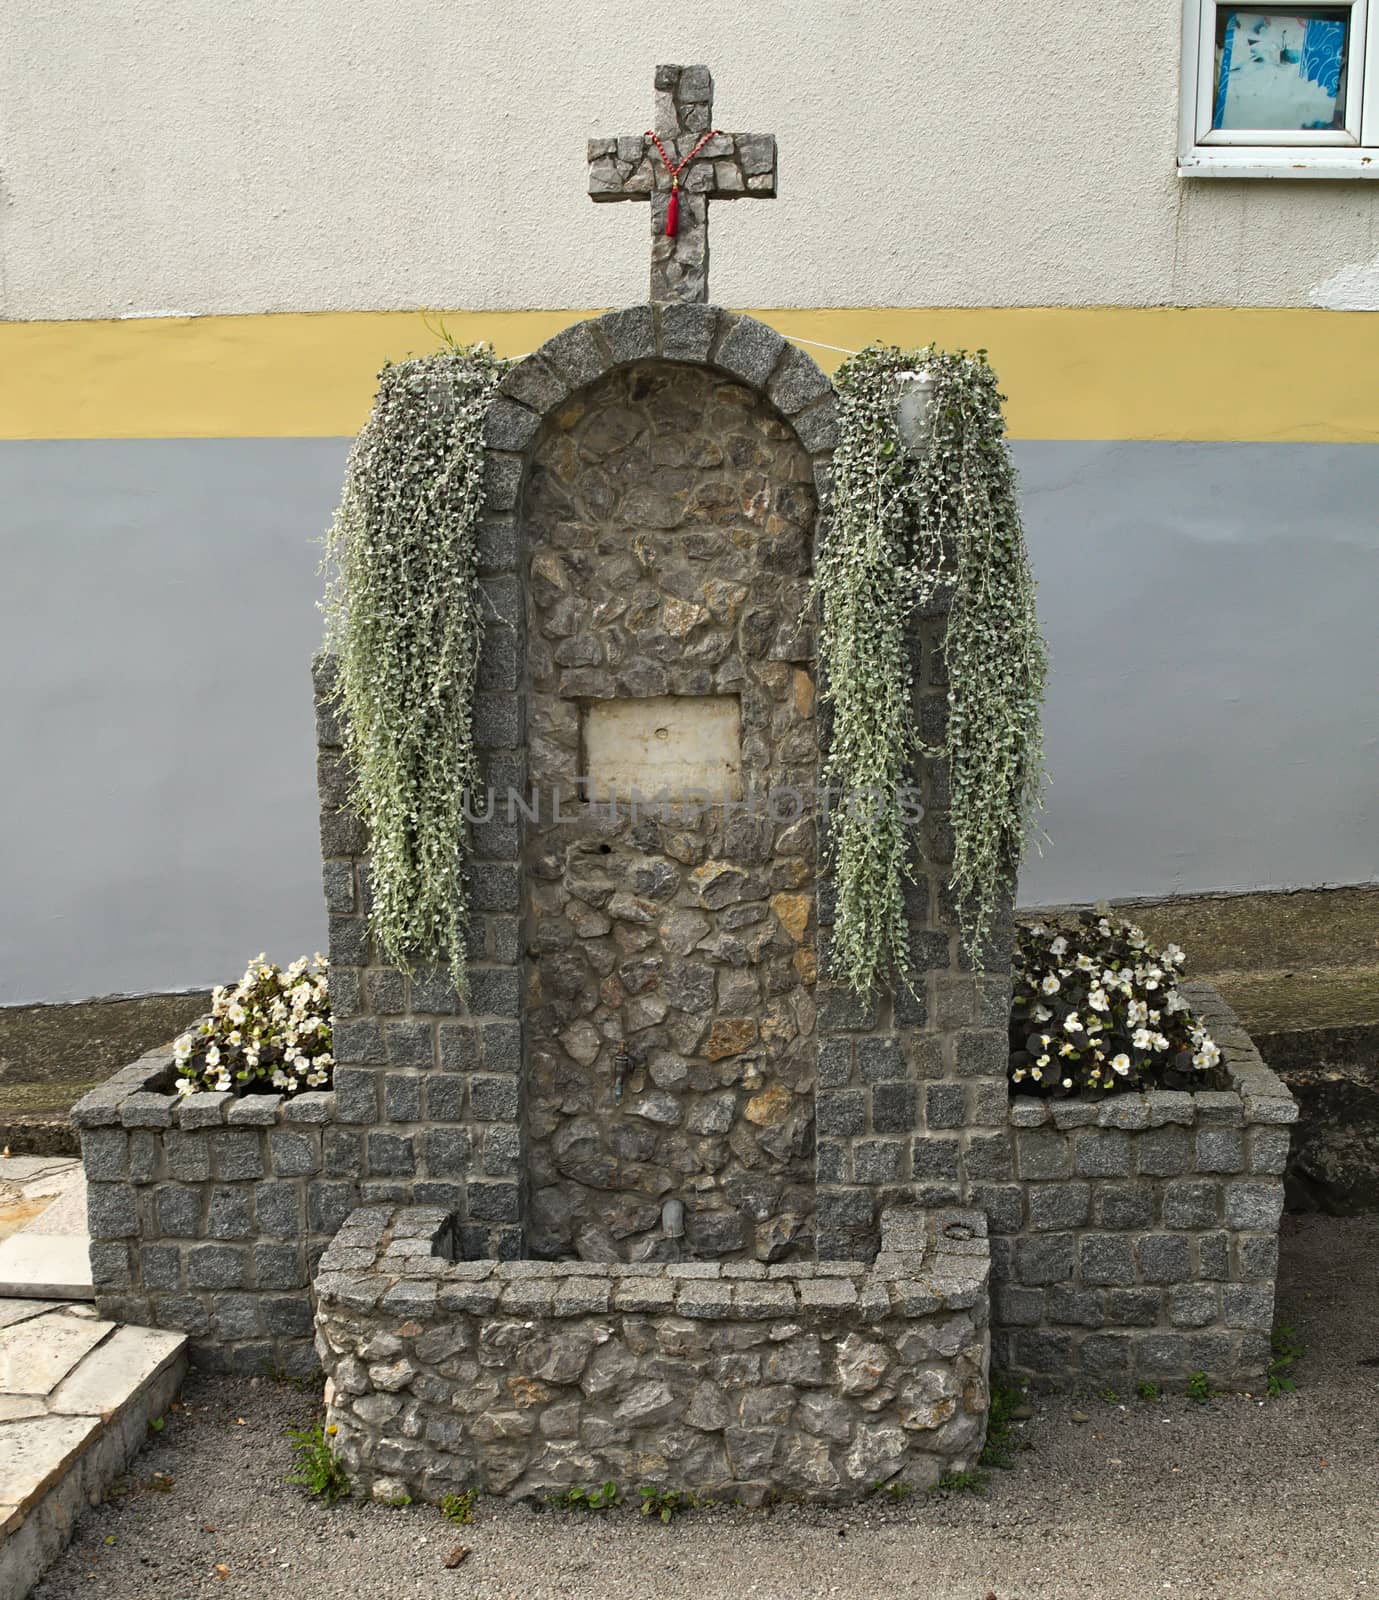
1281,69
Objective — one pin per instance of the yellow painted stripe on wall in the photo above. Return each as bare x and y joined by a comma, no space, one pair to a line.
1210,373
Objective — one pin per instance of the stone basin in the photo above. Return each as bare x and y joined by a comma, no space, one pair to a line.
736,1381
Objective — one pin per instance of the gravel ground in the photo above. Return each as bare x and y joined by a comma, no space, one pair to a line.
1240,1499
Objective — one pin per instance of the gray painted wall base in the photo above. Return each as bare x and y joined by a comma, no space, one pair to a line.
1211,722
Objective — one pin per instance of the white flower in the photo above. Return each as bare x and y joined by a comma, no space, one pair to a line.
1072,1023
1173,956
182,1049
1067,1083
1034,1072
1096,998
1043,1061
212,1055
1058,946
1041,1013
186,1086
1051,985
1142,1039
1084,963
1137,1011
1120,1063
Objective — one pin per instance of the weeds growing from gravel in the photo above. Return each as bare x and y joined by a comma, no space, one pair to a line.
459,1508
1149,1391
665,1503
960,1483
602,1497
319,1470
1000,1438
1198,1388
1287,1348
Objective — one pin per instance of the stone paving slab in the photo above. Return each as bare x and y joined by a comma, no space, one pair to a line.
45,1251
55,1266
12,1311
116,1368
76,1395
35,1356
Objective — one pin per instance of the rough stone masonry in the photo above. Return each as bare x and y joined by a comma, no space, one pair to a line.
650,1203
736,1380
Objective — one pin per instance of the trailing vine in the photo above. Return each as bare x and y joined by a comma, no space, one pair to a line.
907,527
404,622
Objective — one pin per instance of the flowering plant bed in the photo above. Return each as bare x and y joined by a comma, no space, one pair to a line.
1095,1009
271,1032
216,1175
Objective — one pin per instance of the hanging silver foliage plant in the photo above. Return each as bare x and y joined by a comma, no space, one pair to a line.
906,528
403,620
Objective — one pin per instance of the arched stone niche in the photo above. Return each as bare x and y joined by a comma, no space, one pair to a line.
665,517
668,522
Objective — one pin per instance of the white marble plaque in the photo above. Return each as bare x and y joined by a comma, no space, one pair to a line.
687,747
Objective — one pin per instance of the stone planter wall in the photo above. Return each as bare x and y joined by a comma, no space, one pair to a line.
208,1213
734,1380
1136,1238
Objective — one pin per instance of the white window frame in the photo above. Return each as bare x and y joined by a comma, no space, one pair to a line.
1207,152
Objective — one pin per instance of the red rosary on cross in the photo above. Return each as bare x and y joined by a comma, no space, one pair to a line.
673,209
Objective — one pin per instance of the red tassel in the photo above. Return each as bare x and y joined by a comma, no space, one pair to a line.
673,213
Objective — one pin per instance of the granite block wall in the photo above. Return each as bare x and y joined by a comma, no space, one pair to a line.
208,1213
911,1097
1135,1239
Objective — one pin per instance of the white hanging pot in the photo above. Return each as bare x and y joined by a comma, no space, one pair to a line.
914,411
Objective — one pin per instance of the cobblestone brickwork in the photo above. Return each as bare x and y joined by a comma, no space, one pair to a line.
671,1048
1136,1238
737,1381
727,166
682,433
208,1213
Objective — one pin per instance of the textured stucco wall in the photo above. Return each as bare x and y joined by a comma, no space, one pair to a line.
1211,720
297,154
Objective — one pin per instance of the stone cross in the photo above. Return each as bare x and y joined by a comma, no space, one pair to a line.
729,167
